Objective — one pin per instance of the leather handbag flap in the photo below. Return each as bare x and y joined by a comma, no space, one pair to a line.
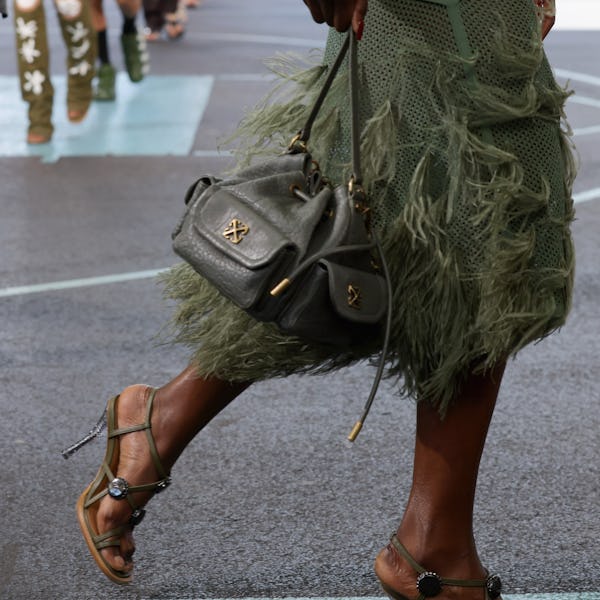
238,231
356,295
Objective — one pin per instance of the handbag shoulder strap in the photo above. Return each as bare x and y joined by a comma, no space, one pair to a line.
356,191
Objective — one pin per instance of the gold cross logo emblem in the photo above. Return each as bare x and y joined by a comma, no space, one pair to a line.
236,231
354,297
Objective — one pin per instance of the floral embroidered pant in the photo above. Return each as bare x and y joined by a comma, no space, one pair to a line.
33,58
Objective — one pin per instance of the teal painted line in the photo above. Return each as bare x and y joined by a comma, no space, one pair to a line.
156,117
586,196
78,283
576,76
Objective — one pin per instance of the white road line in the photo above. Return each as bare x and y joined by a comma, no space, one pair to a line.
23,290
585,196
585,100
76,283
586,130
576,76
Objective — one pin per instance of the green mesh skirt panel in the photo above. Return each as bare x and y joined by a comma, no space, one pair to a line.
469,174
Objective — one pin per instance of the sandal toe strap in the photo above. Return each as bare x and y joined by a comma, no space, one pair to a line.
109,538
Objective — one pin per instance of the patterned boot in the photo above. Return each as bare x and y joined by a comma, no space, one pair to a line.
135,52
32,59
80,40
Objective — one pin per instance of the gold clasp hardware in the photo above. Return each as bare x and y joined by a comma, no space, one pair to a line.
355,189
236,231
354,296
297,144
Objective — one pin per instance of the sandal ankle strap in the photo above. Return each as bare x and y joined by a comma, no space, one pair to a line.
430,583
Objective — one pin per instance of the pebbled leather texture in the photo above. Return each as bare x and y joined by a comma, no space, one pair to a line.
277,222
283,216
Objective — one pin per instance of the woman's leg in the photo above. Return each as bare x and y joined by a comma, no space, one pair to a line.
181,409
154,17
33,60
437,526
80,40
105,85
133,42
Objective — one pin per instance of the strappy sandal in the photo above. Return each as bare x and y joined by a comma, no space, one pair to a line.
430,584
108,483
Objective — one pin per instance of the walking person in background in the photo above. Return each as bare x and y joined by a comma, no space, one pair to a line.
133,44
33,60
469,178
169,16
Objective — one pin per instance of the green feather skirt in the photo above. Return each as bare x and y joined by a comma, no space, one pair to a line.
469,171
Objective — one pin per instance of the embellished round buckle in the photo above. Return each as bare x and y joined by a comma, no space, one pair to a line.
493,586
429,584
118,488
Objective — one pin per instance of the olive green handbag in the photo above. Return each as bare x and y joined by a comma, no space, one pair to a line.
282,244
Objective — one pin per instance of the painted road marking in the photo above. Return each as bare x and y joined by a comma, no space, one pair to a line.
22,290
155,117
585,100
77,283
576,76
586,196
586,130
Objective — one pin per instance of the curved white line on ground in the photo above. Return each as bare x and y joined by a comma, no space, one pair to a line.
586,196
148,274
576,76
586,130
76,283
585,101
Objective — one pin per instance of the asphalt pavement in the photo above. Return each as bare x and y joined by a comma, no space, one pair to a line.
270,501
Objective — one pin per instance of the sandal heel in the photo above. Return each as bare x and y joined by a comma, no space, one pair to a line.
98,428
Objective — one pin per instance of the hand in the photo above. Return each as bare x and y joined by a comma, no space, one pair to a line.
547,24
548,14
339,13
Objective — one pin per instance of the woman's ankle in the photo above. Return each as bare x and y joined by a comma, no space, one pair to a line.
400,568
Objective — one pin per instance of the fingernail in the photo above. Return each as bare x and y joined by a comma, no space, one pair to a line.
359,31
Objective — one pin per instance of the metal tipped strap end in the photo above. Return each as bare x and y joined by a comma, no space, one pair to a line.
355,431
280,287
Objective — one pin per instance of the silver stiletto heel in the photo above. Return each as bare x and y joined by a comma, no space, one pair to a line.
98,428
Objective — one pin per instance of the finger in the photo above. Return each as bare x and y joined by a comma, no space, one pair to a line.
315,11
328,10
358,17
547,25
342,16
